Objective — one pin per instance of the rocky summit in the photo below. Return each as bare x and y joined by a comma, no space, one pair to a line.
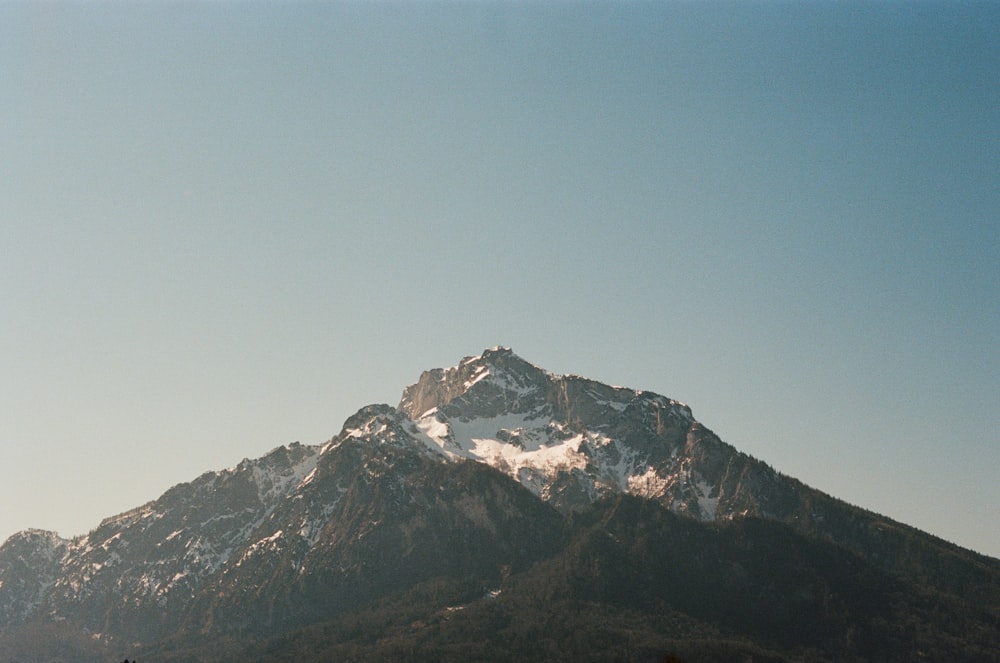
498,512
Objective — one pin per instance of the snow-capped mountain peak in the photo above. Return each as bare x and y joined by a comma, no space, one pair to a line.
475,455
568,439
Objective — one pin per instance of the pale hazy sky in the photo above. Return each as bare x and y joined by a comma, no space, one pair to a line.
228,226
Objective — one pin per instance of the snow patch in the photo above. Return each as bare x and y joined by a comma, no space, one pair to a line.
528,448
648,484
481,372
308,479
274,483
706,505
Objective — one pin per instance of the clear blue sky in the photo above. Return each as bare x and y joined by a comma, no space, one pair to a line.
227,226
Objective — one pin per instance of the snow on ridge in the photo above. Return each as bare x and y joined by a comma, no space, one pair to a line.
308,479
466,434
548,459
274,483
272,542
534,448
329,446
512,443
481,373
436,435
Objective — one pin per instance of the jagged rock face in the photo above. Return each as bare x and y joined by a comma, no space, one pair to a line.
472,475
568,439
290,537
29,565
137,572
392,516
506,385
301,510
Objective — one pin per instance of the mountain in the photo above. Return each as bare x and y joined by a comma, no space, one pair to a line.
496,491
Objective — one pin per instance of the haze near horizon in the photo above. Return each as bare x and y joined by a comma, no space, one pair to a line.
229,226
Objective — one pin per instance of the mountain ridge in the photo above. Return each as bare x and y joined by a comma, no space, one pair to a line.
480,471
